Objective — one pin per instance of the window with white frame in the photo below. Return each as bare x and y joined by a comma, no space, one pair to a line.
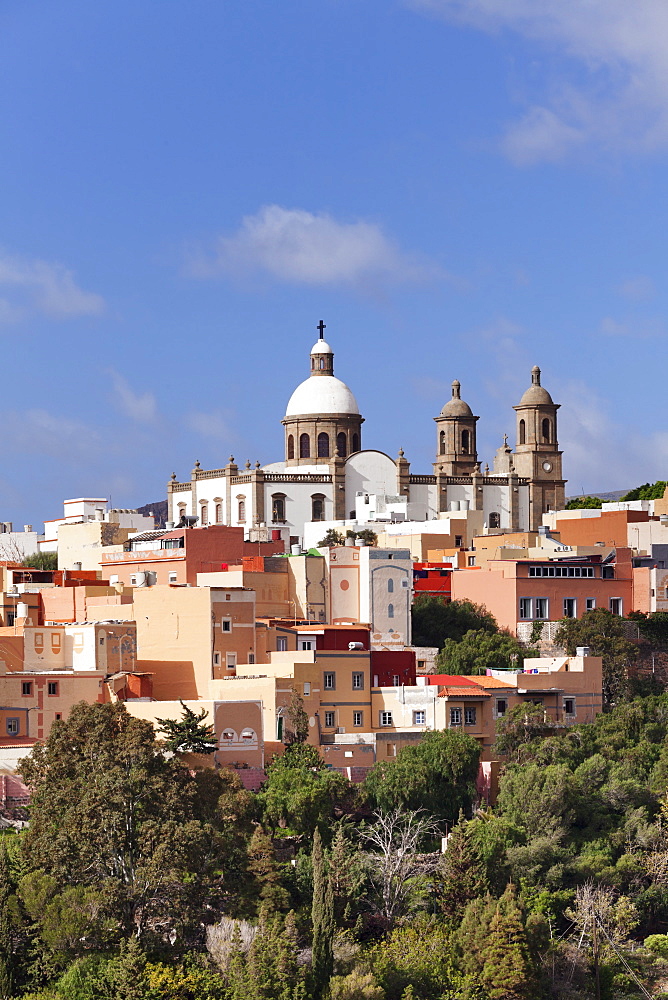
281,644
230,660
358,718
526,607
591,603
616,605
570,607
226,624
386,719
419,717
12,727
455,716
329,680
470,715
173,577
358,681
307,688
542,608
306,644
330,720
396,680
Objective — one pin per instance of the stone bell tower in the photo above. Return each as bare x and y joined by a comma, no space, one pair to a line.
537,456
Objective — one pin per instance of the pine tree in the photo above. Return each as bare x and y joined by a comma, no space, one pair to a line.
347,877
6,962
508,973
263,866
322,916
189,734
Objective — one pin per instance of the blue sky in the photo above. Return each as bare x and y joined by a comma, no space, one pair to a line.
459,188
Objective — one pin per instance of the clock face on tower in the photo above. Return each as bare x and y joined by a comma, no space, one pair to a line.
547,466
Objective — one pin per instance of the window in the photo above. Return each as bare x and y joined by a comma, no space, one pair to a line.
251,657
291,447
591,603
391,749
318,507
570,607
396,680
459,541
419,718
494,519
52,688
219,513
390,586
525,607
204,514
466,442
307,688
55,642
329,681
608,573
216,659
569,706
304,446
358,718
12,726
58,716
26,688
441,438
11,616
341,444
616,605
226,624
173,577
571,571
386,719
278,507
390,610
356,443
330,719
522,432
501,707
469,716
541,608
455,716
358,682
471,560
241,512
546,430
231,661
281,644
323,445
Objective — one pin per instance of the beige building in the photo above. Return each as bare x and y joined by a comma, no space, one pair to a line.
369,584
293,586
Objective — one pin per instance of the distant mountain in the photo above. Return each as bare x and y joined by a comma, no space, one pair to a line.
607,497
157,509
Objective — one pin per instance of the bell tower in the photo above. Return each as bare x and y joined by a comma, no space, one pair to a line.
537,456
456,449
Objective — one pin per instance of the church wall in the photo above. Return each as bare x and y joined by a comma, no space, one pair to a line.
379,570
369,472
298,504
423,501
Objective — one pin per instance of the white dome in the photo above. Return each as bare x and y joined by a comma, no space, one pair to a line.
321,394
321,347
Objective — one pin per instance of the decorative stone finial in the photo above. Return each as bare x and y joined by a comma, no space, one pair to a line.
231,460
173,477
257,464
535,375
401,453
248,465
486,468
505,440
456,386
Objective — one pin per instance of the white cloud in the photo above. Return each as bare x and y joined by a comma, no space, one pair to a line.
213,425
312,249
638,288
612,88
138,406
43,433
41,286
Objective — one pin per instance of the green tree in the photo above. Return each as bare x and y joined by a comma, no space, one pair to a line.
7,919
41,560
298,728
189,734
366,535
437,774
508,972
584,503
648,491
332,537
111,816
262,864
301,792
519,729
435,620
479,651
322,919
540,800
604,633
347,875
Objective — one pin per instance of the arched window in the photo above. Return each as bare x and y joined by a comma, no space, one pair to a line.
341,444
304,446
466,442
390,586
322,364
390,610
495,519
241,513
318,507
356,443
204,514
291,446
523,432
219,513
442,444
278,507
323,445
546,431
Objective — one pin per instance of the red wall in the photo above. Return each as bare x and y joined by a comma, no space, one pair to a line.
386,663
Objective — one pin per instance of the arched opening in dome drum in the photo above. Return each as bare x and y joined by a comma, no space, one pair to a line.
291,446
442,442
356,443
466,442
341,444
546,431
304,446
323,445
523,432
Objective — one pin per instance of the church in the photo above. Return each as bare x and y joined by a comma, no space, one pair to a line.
328,475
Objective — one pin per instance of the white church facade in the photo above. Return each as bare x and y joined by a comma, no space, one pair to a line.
327,475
